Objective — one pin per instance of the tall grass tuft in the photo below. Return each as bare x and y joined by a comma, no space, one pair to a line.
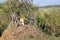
49,21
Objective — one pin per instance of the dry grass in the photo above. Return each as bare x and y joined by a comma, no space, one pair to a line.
23,33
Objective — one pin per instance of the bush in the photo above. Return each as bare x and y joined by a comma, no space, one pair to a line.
2,28
49,21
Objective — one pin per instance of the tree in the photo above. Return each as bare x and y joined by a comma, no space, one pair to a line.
23,7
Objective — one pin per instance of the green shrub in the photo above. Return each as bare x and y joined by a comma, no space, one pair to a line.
2,28
49,21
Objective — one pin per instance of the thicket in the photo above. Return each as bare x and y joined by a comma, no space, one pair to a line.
15,6
48,21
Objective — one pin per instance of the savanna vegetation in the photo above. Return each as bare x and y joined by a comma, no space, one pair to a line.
10,7
46,19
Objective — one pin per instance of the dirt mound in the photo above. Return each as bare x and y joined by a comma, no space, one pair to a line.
22,33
